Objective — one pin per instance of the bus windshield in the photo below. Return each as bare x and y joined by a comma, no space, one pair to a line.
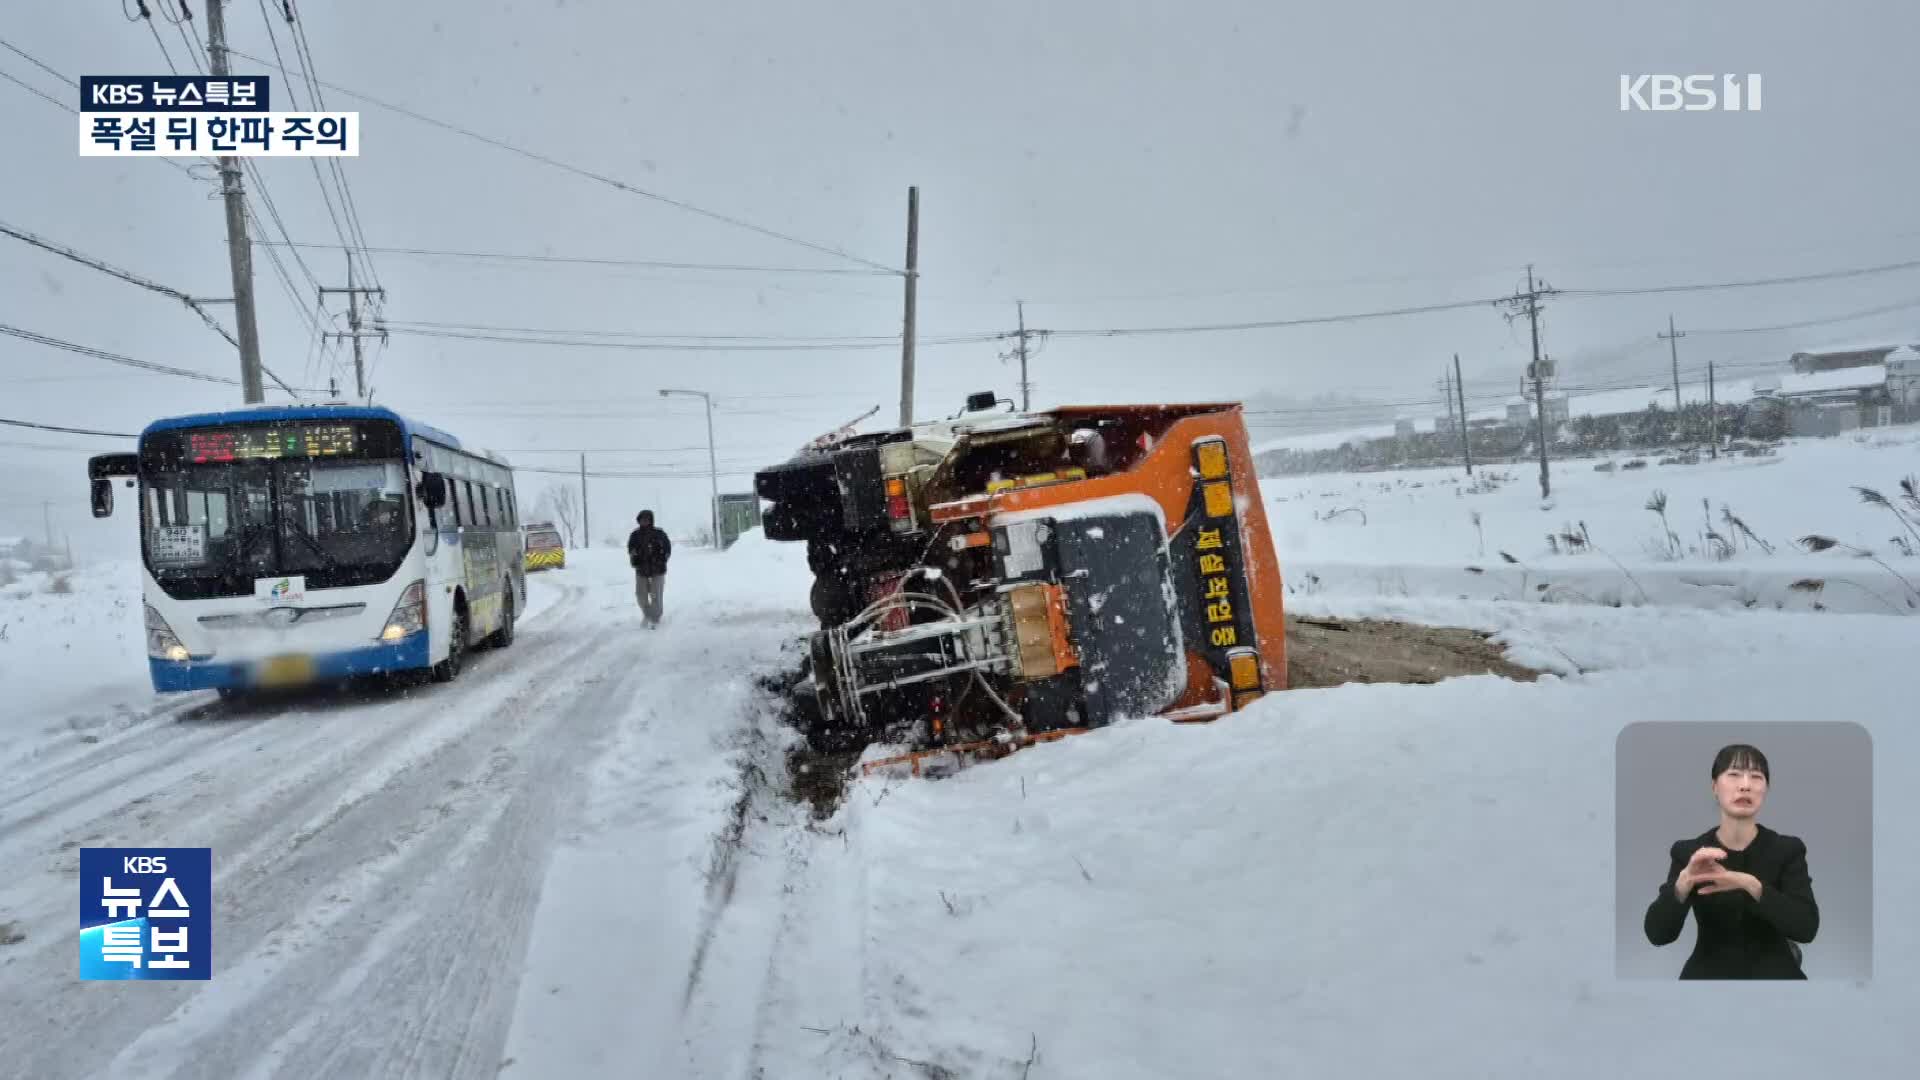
212,527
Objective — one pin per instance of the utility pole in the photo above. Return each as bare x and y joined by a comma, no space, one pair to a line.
586,523
1713,418
239,246
354,293
46,511
1528,303
1673,348
1025,398
1466,443
907,331
713,461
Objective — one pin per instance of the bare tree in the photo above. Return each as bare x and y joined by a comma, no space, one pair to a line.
566,509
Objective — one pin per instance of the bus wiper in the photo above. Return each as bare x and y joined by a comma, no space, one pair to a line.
300,530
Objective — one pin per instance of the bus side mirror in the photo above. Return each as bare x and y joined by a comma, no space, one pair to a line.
433,490
982,401
102,497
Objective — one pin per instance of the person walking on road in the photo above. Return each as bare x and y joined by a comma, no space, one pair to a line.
648,549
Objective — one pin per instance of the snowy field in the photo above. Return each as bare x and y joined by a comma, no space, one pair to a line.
1413,532
576,862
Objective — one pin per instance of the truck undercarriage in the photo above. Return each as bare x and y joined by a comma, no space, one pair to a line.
1000,577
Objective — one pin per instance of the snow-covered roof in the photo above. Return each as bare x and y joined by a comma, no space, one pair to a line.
1847,347
1827,382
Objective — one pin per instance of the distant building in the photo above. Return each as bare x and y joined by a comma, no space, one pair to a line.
1807,363
1519,411
1443,425
1833,400
1402,427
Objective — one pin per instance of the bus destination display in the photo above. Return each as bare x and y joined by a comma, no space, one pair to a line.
258,442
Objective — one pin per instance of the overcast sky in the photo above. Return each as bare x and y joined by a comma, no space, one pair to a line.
1112,164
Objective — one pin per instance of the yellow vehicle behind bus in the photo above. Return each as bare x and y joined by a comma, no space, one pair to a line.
545,551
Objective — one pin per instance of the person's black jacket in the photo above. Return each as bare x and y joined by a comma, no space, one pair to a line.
1740,937
648,550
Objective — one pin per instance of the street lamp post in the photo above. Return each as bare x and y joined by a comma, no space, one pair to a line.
713,462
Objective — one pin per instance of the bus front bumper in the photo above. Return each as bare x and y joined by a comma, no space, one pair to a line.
175,676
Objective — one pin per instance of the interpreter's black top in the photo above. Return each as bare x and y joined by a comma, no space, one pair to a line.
1740,937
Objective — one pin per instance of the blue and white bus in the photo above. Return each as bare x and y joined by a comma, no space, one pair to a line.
287,545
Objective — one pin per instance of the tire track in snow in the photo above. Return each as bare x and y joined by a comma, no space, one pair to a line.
273,875
293,777
349,993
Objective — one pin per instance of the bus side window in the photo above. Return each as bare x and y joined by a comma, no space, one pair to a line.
453,500
473,508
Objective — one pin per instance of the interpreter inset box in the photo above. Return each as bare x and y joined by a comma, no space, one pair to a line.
1743,850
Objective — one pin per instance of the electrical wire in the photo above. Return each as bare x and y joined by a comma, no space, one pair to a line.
116,358
114,271
576,260
68,430
649,346
617,184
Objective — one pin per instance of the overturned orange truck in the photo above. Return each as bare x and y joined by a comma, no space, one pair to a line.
999,577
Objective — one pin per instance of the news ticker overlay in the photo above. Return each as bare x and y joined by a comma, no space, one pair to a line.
203,116
146,913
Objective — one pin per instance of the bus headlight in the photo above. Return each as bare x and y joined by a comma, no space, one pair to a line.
409,615
162,643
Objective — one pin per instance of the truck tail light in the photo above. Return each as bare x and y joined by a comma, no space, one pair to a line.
899,510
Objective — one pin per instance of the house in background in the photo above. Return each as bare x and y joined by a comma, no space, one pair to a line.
1830,401
1808,363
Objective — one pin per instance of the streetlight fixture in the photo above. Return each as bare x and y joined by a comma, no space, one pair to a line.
713,461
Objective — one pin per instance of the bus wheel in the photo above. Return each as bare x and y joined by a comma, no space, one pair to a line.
449,669
503,637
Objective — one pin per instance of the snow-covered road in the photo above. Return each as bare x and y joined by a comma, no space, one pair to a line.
380,858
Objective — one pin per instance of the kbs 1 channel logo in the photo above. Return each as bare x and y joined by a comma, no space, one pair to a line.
146,913
203,116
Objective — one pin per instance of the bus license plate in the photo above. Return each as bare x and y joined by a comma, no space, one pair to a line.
286,671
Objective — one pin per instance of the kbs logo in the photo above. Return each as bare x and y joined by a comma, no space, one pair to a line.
146,913
1689,93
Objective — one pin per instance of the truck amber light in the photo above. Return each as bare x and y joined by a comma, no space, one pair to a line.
1246,671
896,487
1219,495
1213,460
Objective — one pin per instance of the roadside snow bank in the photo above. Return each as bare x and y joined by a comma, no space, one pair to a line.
1422,529
60,651
1344,882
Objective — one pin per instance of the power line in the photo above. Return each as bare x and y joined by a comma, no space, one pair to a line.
1750,283
1849,317
617,184
116,358
1274,324
578,260
643,336
24,55
133,279
348,205
124,275
654,346
68,430
55,102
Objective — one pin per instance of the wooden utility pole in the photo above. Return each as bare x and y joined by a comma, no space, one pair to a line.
354,292
1528,304
586,523
239,246
1673,348
913,282
1713,418
1466,443
1025,386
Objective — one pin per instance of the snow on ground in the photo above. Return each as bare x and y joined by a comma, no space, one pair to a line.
1359,881
73,664
1412,532
570,862
382,858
